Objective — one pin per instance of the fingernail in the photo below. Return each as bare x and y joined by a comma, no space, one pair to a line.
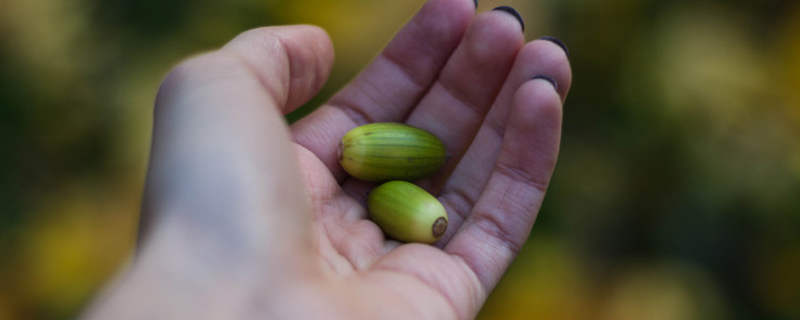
476,4
548,79
513,13
558,42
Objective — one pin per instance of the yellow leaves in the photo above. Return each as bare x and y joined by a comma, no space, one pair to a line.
358,29
545,282
663,290
548,281
787,72
787,62
715,82
76,240
45,32
777,280
709,65
727,93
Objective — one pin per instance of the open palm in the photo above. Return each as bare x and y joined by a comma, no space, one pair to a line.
247,217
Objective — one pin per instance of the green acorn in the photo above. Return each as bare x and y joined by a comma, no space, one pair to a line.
390,151
407,212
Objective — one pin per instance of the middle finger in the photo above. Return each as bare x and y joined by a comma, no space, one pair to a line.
454,107
457,103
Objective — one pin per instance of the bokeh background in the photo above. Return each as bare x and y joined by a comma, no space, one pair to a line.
676,195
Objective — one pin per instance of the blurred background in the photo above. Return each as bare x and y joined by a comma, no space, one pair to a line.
676,195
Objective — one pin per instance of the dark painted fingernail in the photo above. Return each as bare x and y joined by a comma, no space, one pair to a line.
476,4
558,42
513,13
548,79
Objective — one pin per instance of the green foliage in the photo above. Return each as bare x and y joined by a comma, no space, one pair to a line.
675,195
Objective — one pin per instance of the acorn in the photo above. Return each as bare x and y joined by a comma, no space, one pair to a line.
407,212
386,151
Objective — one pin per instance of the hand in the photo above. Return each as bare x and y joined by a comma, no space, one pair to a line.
246,217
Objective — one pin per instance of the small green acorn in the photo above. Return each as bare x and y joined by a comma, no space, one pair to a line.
407,212
386,151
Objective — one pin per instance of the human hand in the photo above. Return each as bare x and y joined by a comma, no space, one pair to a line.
247,217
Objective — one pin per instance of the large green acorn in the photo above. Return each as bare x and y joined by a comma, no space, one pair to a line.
390,151
407,212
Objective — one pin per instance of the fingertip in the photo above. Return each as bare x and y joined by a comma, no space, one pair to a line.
513,12
537,105
544,57
311,56
494,39
548,79
541,91
453,14
322,47
292,62
557,42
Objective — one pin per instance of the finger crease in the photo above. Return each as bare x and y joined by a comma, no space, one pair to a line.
353,112
495,127
494,228
412,76
522,176
460,201
476,108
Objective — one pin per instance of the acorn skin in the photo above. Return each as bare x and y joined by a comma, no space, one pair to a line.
386,151
407,212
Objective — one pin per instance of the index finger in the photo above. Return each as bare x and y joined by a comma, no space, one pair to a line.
393,83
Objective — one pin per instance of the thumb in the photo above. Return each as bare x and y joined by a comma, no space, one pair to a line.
224,199
292,62
216,120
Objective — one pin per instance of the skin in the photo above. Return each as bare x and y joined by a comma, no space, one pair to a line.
247,217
